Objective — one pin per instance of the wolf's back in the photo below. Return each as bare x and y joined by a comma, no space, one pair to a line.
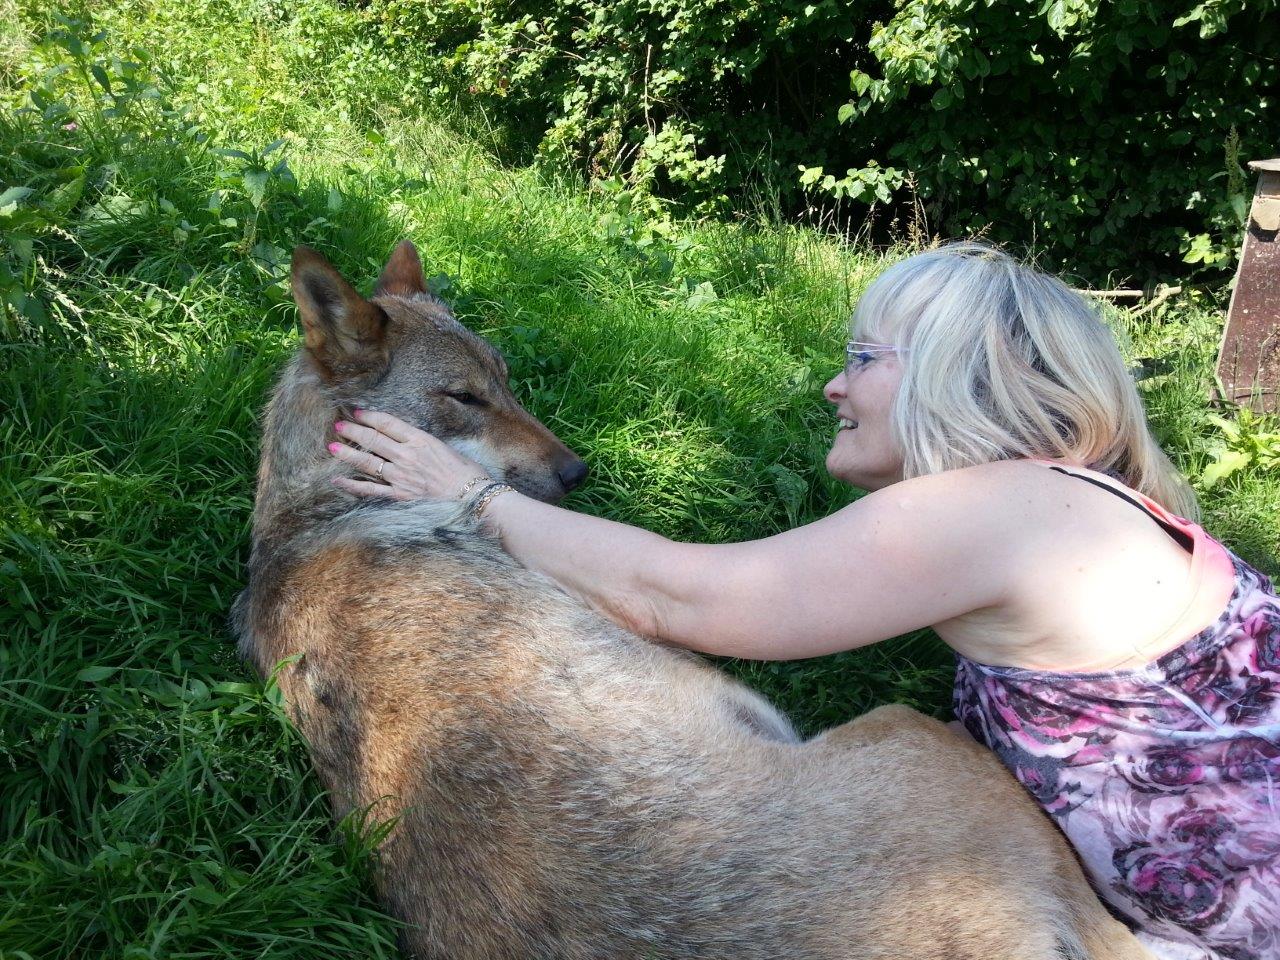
561,785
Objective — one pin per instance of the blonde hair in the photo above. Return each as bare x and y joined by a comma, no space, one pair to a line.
1002,361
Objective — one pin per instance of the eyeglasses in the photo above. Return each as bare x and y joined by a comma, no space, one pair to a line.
859,353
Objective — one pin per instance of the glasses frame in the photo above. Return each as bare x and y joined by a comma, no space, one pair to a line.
862,352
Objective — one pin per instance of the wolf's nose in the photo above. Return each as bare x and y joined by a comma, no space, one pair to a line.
572,475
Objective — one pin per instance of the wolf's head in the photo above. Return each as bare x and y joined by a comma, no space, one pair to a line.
403,352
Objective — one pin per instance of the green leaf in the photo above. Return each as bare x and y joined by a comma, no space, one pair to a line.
270,259
95,674
791,489
62,199
1229,428
844,113
1057,16
1228,462
442,283
1195,14
206,894
810,175
702,294
239,689
117,209
22,245
101,76
255,185
10,199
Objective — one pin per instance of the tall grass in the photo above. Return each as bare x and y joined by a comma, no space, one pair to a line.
153,800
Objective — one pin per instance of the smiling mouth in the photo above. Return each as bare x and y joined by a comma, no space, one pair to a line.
846,424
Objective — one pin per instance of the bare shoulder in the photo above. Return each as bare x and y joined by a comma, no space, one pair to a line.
1072,565
1003,520
986,502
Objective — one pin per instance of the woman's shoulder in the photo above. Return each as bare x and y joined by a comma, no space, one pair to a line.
1010,510
1027,515
1084,560
1001,479
1001,489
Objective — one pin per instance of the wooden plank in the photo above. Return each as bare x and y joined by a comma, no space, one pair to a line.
1249,356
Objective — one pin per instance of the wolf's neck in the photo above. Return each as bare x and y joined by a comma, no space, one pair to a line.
295,478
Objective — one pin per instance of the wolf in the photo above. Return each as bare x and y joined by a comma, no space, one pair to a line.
556,787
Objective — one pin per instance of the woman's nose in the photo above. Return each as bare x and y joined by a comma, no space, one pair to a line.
836,388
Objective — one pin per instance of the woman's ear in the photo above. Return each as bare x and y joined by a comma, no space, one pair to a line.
345,333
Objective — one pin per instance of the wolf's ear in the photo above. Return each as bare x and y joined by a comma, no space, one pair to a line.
344,331
402,276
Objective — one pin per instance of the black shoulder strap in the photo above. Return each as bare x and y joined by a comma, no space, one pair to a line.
1182,538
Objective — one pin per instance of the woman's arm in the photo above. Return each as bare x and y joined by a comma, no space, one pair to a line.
901,558
908,556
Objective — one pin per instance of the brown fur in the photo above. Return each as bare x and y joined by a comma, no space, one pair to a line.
565,789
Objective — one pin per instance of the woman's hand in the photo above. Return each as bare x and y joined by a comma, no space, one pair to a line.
410,463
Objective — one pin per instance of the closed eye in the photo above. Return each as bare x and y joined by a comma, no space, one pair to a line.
465,397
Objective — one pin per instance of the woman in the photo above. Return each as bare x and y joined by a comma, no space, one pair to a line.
1123,664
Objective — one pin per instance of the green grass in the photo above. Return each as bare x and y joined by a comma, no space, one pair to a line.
153,801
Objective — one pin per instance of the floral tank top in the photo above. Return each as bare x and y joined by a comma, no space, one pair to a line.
1164,778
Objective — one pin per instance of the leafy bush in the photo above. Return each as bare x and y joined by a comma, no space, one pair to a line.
690,98
1106,135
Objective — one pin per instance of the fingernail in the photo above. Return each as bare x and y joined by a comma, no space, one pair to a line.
358,412
340,426
335,447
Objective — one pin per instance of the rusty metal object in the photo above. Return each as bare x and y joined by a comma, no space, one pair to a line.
1249,358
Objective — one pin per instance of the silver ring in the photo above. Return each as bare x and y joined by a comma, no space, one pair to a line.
381,466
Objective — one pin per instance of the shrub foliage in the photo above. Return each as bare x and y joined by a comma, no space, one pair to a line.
1107,135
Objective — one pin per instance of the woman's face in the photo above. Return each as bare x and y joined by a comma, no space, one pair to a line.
864,453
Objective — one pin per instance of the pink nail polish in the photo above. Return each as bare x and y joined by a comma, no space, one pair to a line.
335,447
339,426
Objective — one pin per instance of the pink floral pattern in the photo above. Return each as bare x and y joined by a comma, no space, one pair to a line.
1165,779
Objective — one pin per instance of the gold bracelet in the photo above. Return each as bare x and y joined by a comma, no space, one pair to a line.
487,496
471,485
